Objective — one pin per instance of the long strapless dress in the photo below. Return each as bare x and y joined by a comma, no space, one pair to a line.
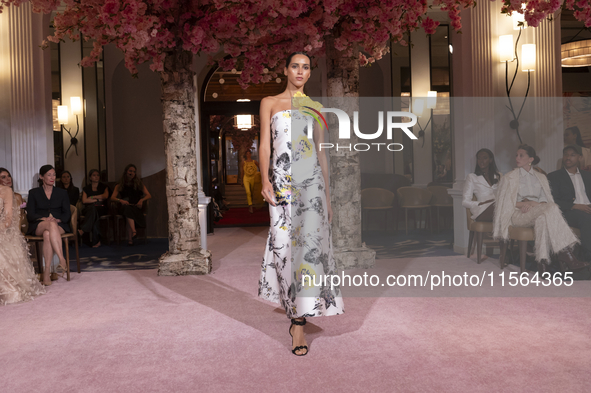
299,241
18,282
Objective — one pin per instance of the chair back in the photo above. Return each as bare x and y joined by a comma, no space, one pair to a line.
377,198
24,223
400,181
414,196
440,196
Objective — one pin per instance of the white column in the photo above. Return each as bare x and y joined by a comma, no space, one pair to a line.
203,199
549,139
25,94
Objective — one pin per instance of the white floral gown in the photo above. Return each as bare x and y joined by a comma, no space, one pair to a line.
18,282
299,240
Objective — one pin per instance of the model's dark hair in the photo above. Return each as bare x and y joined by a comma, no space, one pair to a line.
136,182
7,171
530,152
493,172
575,130
288,61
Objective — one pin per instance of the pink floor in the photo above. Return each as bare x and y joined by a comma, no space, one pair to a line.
132,331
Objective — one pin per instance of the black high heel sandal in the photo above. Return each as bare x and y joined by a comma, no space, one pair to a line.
299,323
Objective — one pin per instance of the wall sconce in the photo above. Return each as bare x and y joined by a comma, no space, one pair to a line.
507,54
419,107
62,118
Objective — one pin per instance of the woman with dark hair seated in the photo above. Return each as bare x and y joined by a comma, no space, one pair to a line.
65,182
483,184
48,212
94,196
131,193
524,200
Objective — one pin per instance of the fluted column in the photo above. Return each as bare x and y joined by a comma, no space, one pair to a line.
26,94
548,91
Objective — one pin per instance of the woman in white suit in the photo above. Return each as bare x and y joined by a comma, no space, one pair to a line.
483,184
524,200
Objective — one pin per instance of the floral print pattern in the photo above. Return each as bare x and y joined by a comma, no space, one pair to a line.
299,241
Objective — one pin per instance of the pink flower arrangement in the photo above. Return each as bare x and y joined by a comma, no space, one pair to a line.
261,33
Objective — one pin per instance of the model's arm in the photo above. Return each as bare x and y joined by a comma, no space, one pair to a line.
319,140
265,150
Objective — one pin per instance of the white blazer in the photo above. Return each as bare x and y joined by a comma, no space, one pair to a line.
477,185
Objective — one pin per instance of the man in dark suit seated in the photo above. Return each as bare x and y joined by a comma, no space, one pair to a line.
571,190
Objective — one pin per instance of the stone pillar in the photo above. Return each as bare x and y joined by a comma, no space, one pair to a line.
25,95
203,199
345,175
185,255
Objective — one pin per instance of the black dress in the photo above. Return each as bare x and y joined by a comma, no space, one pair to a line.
73,193
38,206
133,196
92,212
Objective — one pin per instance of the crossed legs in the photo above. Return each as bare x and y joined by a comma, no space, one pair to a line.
52,244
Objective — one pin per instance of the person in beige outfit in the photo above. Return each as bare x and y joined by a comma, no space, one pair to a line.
524,200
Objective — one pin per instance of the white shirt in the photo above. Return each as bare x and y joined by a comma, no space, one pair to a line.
530,187
580,194
479,187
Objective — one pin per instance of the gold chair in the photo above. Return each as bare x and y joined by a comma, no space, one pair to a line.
477,229
413,198
377,199
441,200
38,240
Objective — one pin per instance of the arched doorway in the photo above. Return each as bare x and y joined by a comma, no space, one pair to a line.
226,110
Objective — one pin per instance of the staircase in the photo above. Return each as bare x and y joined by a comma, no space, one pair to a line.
235,196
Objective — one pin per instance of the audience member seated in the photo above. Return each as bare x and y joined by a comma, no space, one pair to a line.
524,200
65,182
571,189
94,198
131,193
572,137
48,212
483,184
6,180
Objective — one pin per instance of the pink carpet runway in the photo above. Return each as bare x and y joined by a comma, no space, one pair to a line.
132,331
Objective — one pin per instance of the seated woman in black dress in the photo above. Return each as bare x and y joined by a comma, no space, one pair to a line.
94,196
65,182
48,213
131,193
